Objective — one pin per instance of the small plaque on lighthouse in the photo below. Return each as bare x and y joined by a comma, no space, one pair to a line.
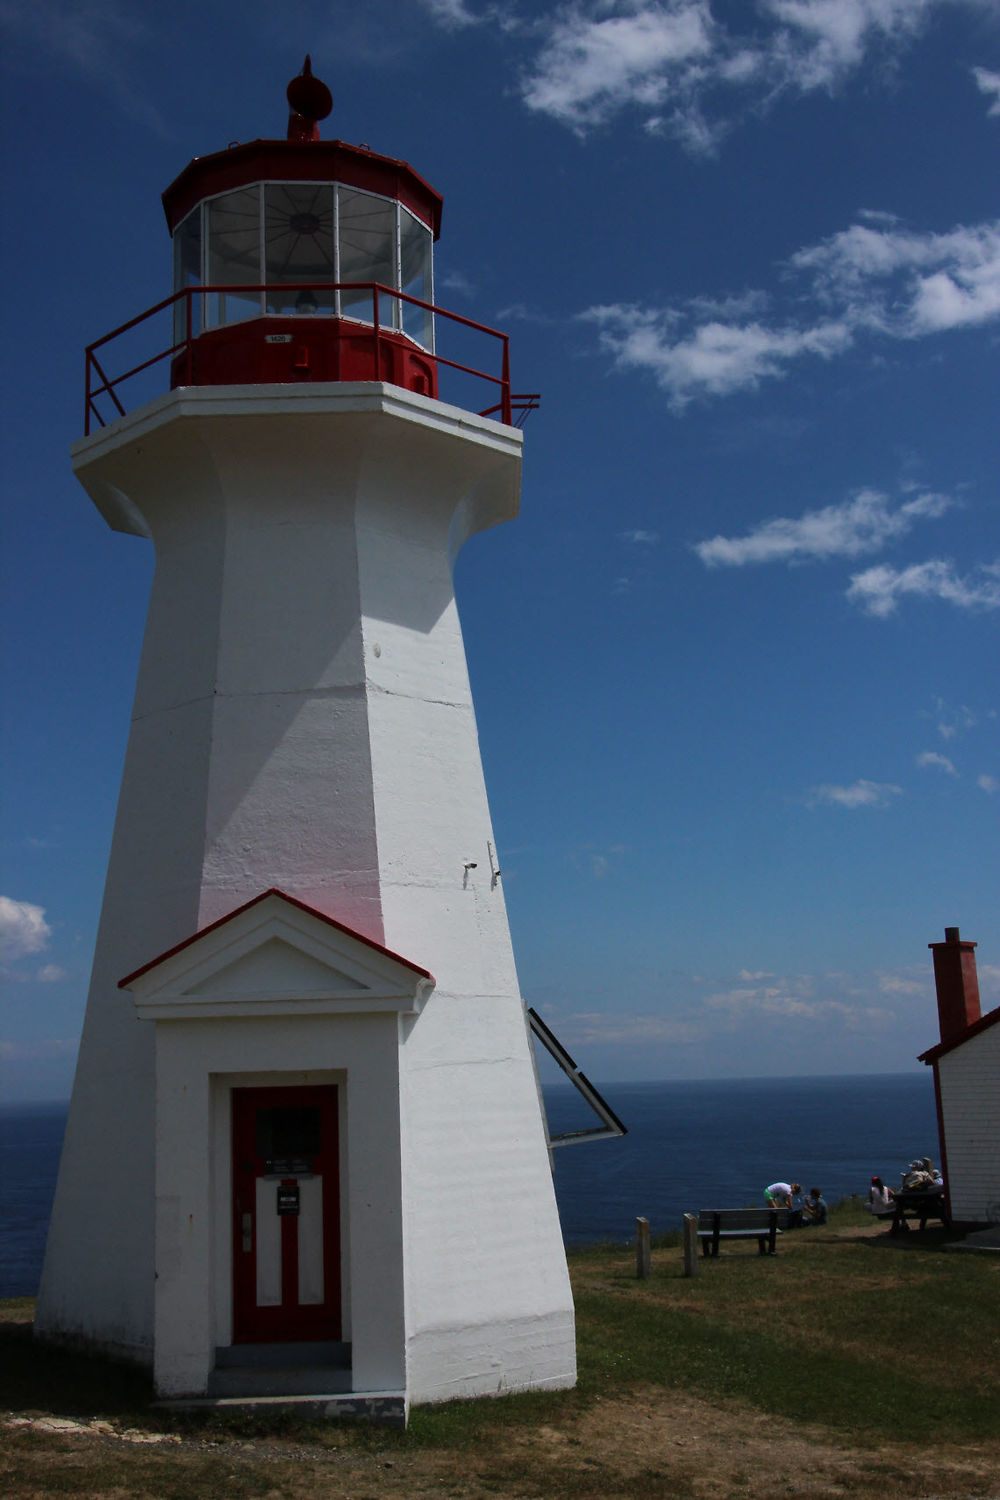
288,1198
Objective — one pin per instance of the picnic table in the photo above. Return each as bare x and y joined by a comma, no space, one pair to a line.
920,1204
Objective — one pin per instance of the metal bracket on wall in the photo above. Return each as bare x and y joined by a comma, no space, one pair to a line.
611,1126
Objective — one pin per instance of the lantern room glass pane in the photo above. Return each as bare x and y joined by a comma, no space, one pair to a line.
187,272
415,252
234,256
367,233
298,246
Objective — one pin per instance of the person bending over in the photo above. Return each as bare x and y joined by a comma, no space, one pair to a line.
782,1194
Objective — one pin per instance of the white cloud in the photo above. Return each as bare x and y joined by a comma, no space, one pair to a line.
715,358
905,283
51,974
687,73
988,783
23,928
865,282
822,40
878,590
598,59
862,524
859,794
930,759
641,538
989,84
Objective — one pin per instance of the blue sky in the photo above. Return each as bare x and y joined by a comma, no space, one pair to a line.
735,665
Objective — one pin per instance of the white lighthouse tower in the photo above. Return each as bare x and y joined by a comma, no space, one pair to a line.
306,1152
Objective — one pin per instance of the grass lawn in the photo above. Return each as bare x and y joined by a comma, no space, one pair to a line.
847,1363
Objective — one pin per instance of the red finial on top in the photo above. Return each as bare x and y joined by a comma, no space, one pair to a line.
311,101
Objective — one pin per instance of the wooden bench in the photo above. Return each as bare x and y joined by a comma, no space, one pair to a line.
760,1224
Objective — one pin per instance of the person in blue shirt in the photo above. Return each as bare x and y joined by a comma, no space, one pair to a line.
814,1209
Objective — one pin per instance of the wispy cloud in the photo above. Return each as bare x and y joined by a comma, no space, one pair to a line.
906,283
23,928
606,1028
932,760
714,359
953,721
872,281
864,523
641,538
684,72
988,83
903,984
598,59
453,15
51,974
797,998
598,862
878,590
987,783
98,39
26,1052
859,794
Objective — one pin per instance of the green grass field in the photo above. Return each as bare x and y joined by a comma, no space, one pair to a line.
878,1347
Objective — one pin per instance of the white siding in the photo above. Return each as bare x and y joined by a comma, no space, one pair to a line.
970,1103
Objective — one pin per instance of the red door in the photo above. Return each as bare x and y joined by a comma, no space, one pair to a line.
286,1215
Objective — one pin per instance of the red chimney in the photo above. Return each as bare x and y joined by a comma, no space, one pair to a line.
957,984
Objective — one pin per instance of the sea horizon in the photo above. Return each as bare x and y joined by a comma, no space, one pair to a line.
691,1144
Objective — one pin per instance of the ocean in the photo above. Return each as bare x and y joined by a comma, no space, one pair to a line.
691,1145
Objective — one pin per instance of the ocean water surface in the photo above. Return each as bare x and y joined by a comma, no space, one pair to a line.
717,1144
690,1145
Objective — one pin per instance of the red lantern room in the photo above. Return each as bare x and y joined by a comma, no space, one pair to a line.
303,260
316,258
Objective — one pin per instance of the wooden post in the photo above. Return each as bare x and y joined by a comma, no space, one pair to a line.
690,1244
642,1249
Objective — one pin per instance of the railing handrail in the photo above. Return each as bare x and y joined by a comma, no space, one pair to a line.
106,386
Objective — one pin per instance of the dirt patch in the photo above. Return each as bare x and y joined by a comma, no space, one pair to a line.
653,1444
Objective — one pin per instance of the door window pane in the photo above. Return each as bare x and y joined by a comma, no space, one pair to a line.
298,245
367,229
234,255
288,1130
415,253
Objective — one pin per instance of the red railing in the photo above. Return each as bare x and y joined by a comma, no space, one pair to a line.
513,408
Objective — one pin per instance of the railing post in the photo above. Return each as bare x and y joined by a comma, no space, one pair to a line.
188,339
690,1244
505,395
86,395
642,1249
378,342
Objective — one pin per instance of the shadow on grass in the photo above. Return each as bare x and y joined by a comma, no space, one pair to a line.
36,1377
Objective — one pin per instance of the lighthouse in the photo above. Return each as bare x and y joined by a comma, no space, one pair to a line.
306,1153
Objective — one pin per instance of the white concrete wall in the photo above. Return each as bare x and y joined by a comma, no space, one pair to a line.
969,1078
303,720
489,1305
